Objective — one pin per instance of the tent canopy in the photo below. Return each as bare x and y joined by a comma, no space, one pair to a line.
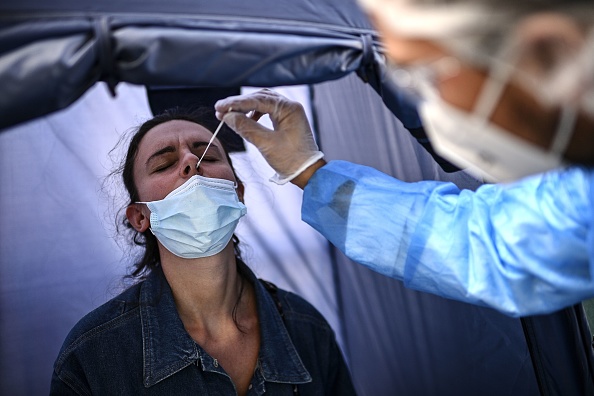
52,52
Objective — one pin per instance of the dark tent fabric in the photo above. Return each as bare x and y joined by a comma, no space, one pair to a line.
53,51
161,100
396,340
568,331
62,48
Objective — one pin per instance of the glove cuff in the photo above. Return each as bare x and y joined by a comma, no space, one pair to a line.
315,156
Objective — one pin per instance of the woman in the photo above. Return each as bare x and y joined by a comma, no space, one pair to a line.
199,322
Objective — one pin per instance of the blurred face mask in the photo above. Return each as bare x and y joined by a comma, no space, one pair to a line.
198,218
470,139
485,150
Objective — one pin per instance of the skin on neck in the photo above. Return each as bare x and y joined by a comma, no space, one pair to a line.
205,290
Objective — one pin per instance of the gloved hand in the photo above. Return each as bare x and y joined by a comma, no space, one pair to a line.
290,148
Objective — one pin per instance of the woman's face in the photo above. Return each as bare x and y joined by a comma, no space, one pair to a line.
168,154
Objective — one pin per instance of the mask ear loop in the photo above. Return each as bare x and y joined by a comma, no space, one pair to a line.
499,74
565,129
568,117
491,94
214,135
492,90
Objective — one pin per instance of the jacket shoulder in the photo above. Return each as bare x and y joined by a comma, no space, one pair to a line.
109,315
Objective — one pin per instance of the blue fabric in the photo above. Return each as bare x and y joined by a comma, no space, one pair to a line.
136,344
524,248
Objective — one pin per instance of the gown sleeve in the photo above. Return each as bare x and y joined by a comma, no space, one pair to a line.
524,248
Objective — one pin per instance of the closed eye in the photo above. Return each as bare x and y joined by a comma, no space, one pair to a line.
210,158
212,154
161,159
162,167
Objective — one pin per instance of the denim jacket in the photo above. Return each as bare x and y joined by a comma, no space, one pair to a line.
136,344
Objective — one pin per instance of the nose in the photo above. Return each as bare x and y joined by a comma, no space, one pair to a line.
199,169
189,166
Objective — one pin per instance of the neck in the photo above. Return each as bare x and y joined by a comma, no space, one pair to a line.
205,290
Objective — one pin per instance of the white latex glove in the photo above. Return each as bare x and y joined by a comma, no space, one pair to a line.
290,148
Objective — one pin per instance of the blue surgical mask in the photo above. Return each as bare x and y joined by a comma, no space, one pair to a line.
198,218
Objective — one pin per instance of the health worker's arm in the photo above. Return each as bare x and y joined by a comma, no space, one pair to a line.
525,248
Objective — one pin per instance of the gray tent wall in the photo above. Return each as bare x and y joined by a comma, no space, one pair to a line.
52,52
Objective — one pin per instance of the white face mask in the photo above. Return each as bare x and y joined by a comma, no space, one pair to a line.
471,141
198,218
482,148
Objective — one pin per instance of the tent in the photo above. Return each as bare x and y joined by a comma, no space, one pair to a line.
59,253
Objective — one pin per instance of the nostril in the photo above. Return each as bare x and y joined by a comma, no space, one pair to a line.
187,169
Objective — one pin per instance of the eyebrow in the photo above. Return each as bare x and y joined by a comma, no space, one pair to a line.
171,149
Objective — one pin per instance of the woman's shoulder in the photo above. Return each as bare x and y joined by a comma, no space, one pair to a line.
108,316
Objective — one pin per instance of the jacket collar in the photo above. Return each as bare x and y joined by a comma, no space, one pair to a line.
168,348
278,359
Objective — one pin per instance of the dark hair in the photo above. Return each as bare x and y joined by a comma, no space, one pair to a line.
150,259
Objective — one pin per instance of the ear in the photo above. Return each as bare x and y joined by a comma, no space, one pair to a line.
240,190
137,217
547,40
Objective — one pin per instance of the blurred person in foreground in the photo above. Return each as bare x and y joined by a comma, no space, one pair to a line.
505,89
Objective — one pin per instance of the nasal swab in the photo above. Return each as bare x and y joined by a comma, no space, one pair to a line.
214,135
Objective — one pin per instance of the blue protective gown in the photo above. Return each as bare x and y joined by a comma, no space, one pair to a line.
524,248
